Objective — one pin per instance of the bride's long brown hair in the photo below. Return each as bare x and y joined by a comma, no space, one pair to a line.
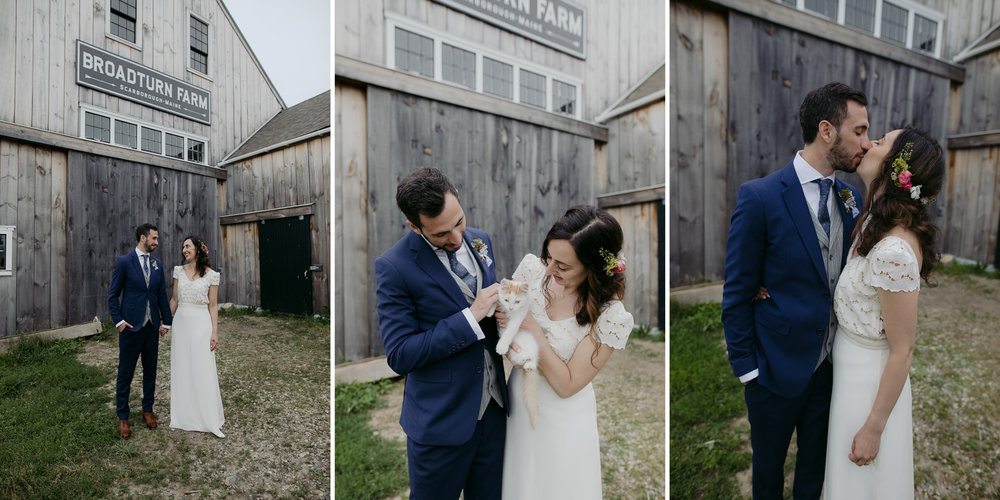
889,205
201,260
589,230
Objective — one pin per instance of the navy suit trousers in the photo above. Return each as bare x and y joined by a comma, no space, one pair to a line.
144,343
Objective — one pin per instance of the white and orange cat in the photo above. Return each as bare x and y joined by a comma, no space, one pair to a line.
513,300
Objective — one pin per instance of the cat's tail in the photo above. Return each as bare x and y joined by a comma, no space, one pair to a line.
530,386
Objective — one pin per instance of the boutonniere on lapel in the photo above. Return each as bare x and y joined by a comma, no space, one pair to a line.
482,250
847,198
155,265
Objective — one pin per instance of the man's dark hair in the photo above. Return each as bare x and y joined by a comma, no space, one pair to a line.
422,193
144,230
829,103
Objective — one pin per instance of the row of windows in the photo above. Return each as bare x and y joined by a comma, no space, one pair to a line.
130,135
888,20
415,53
124,16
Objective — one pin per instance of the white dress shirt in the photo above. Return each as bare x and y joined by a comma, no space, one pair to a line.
465,258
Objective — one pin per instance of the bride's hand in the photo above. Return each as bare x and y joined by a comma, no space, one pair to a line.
516,348
865,447
212,344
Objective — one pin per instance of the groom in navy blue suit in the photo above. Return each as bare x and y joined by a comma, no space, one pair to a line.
789,234
137,300
434,290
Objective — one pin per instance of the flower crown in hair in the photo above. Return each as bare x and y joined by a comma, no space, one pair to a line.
612,265
901,175
204,248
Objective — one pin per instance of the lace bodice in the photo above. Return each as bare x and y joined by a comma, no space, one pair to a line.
196,291
613,326
890,265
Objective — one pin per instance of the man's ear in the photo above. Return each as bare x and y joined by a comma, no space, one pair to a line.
827,132
413,226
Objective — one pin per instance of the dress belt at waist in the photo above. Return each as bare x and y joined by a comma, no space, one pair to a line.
860,340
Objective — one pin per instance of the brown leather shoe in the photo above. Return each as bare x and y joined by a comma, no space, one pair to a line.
123,429
150,419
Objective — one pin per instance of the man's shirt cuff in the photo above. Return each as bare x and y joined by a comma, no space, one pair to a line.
474,324
750,376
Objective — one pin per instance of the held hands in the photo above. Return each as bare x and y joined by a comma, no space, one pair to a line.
484,301
865,447
163,331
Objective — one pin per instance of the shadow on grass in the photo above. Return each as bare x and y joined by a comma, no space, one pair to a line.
54,424
705,398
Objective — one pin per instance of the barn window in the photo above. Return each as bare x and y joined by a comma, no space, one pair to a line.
97,127
123,16
563,98
498,78
126,134
924,33
152,140
860,14
894,23
458,66
196,151
199,45
175,146
414,53
6,250
826,8
532,88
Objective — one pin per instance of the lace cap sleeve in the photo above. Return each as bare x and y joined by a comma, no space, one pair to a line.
893,266
531,270
213,277
614,325
178,272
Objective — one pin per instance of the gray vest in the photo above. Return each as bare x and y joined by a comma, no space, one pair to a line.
832,248
490,377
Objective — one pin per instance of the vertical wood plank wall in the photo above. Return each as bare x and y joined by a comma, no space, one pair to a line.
354,299
973,187
634,152
514,179
767,71
642,268
296,175
106,200
38,52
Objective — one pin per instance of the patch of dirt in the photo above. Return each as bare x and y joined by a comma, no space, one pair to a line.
274,375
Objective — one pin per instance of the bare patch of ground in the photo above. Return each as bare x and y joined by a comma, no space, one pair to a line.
274,374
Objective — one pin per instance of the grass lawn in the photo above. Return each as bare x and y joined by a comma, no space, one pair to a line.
367,466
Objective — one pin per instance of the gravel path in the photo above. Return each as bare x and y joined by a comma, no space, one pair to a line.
274,375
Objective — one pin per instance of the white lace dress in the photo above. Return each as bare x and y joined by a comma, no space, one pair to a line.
195,400
560,458
860,352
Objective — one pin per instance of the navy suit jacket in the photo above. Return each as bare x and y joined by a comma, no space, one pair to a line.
427,338
772,243
128,293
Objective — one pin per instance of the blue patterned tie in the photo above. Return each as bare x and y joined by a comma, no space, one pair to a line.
824,195
461,271
145,267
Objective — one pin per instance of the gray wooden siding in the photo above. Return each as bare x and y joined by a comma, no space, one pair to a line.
625,41
768,71
514,180
634,153
966,20
296,175
641,251
38,51
106,199
973,191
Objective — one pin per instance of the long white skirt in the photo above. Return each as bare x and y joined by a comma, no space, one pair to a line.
560,458
195,400
857,371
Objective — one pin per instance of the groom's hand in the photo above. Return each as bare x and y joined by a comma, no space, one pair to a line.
484,301
163,331
123,326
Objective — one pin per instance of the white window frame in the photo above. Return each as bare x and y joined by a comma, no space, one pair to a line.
137,44
394,21
10,245
911,9
141,124
208,56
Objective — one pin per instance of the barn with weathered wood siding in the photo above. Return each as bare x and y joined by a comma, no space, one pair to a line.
113,114
277,184
525,126
740,70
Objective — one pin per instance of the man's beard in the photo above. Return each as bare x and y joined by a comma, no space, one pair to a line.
839,158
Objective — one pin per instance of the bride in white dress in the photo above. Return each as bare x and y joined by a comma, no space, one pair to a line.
195,400
870,442
581,321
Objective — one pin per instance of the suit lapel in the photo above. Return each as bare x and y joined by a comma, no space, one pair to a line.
795,203
848,219
428,261
489,276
